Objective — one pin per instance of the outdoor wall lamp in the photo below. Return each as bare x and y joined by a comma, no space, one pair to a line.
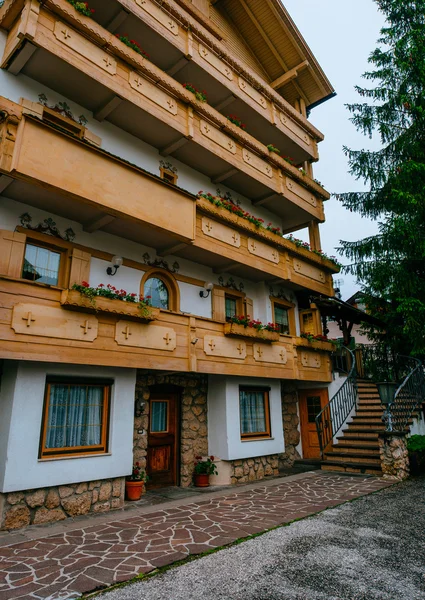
208,286
387,390
116,262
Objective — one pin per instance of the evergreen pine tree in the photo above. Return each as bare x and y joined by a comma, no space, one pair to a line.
391,265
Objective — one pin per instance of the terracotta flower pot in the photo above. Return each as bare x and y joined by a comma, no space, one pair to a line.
202,480
133,490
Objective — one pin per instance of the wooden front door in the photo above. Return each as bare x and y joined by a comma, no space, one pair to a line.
163,440
311,403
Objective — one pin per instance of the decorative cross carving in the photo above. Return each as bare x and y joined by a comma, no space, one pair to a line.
65,33
204,51
227,71
86,327
275,254
240,348
242,84
138,82
127,332
107,62
170,103
231,145
268,170
253,246
282,354
28,319
259,352
235,238
262,101
208,226
171,24
212,345
207,129
167,338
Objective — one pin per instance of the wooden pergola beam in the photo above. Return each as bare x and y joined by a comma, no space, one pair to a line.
289,75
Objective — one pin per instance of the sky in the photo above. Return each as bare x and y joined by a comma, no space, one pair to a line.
341,35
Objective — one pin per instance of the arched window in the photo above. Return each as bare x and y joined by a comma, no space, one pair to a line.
158,292
162,289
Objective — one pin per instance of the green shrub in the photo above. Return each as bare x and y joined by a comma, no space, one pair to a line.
416,443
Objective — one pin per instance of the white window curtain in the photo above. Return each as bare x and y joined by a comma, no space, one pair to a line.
75,416
252,411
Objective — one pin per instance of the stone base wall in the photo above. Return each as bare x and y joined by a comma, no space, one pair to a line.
254,469
47,505
394,456
193,414
291,426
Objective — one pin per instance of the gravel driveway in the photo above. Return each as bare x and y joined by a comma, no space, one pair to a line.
370,549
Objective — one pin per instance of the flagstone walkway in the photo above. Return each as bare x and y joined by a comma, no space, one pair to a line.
65,562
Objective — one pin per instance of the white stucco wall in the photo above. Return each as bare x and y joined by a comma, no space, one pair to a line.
21,406
224,438
418,426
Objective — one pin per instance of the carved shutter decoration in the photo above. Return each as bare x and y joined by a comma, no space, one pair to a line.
12,252
218,305
249,307
307,322
80,267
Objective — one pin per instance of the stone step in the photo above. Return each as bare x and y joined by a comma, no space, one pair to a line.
351,468
366,421
362,431
361,447
369,412
372,458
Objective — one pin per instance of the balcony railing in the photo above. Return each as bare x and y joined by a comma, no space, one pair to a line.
35,326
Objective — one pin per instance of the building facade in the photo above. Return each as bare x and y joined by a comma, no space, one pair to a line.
116,171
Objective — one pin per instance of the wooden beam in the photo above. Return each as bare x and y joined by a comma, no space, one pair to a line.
225,102
5,181
171,249
264,199
271,46
98,222
21,58
232,266
116,21
226,175
173,147
107,108
178,66
289,75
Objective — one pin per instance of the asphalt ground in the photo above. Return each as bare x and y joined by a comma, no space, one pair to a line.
372,548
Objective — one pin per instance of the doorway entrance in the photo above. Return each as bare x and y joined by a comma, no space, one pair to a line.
163,440
311,403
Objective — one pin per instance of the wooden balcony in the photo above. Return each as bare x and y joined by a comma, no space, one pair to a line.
101,191
34,326
118,84
190,53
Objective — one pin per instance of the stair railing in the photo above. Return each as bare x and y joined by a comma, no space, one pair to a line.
408,396
334,415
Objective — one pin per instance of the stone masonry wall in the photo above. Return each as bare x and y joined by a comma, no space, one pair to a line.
291,425
47,505
394,456
254,469
194,432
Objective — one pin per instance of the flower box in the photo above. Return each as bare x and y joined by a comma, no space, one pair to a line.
315,345
261,335
73,300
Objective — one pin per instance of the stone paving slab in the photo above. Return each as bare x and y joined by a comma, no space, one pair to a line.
69,562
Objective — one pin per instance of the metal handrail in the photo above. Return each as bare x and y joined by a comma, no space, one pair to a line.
334,415
408,396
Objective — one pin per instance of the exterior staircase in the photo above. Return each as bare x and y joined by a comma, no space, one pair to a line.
357,449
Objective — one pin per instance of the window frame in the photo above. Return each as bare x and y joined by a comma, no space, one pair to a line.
168,176
171,284
64,253
260,435
76,451
290,307
163,431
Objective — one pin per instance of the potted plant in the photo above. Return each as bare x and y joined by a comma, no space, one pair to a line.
416,449
135,482
244,326
203,470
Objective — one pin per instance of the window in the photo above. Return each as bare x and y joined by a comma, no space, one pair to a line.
168,175
158,291
159,416
41,265
75,418
254,412
231,306
281,319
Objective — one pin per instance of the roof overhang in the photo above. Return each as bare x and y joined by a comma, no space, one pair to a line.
338,309
276,42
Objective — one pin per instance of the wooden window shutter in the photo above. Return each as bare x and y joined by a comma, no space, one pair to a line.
249,307
80,267
307,322
12,252
218,305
